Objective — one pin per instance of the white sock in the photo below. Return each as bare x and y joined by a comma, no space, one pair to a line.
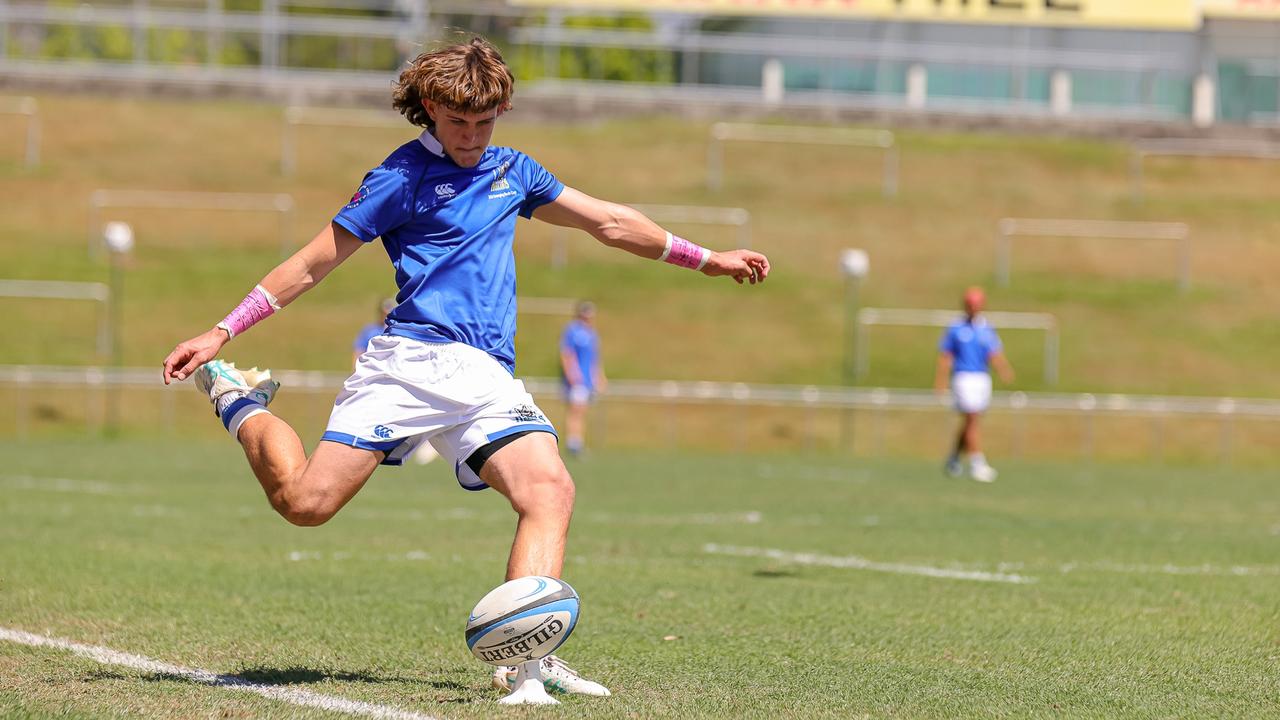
239,409
225,399
977,459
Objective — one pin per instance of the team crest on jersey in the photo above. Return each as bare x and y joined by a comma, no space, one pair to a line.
359,197
500,183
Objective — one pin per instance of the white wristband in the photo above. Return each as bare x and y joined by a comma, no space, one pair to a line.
706,255
667,250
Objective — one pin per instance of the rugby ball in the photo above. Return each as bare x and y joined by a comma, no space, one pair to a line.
521,620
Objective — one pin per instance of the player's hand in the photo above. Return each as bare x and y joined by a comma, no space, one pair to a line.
741,265
192,354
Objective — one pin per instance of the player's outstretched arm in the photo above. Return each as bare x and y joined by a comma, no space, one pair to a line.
628,229
296,275
1003,368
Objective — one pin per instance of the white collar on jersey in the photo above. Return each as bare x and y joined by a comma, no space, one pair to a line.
430,142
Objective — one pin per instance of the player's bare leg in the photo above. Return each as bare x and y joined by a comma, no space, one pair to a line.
575,425
305,491
533,478
971,437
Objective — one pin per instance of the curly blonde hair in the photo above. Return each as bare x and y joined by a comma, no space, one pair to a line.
467,77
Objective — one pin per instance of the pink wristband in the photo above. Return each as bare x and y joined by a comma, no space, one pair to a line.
685,254
257,305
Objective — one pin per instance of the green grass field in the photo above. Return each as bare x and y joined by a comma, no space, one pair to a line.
1151,593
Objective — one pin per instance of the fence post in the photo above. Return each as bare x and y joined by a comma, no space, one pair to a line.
33,133
22,405
1136,179
1003,250
891,169
1087,403
1226,423
715,160
1051,355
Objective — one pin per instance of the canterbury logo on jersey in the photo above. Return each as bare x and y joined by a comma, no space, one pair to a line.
445,190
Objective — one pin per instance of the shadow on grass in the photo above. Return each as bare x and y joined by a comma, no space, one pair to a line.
774,573
304,675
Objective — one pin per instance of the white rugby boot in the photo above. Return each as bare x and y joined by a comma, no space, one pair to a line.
218,378
983,472
556,677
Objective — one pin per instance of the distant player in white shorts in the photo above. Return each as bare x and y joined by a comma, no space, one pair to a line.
445,205
968,348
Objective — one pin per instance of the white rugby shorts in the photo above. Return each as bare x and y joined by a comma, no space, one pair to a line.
405,392
971,391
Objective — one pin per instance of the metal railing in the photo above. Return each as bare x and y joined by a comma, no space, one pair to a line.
1009,228
63,290
791,135
327,117
910,317
1087,407
279,203
1189,147
26,107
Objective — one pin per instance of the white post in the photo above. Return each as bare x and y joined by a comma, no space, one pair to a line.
1003,250
1060,93
715,160
33,132
1204,100
772,84
917,86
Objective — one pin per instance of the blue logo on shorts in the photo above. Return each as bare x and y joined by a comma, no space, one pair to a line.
382,431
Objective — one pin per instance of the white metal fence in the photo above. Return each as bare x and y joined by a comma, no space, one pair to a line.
1086,408
909,317
295,117
1203,148
27,108
722,133
1010,228
95,292
279,203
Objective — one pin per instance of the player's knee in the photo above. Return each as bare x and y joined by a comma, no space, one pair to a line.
307,510
548,491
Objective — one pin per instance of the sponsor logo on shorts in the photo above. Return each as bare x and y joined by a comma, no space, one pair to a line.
445,190
382,431
527,413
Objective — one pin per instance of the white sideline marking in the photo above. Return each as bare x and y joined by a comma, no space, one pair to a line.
89,487
294,696
857,563
750,517
1170,569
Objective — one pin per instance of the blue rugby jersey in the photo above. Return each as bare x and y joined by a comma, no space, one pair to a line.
971,344
448,231
581,340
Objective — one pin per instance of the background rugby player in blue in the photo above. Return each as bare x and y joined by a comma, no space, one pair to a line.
969,347
445,206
